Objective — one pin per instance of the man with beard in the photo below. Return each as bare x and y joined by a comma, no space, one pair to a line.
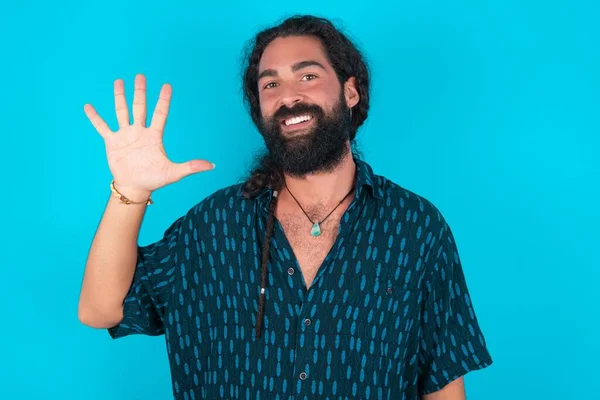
314,278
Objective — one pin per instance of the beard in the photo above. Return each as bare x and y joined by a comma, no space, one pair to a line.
319,149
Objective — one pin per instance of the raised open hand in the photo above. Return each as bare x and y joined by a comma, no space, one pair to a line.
136,156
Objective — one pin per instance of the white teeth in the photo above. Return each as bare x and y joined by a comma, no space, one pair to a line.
297,120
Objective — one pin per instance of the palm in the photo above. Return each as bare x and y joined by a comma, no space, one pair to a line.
135,153
136,156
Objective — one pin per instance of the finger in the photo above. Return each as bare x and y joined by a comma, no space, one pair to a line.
181,170
139,100
121,104
97,121
159,117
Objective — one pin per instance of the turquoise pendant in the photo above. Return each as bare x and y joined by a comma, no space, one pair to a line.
316,229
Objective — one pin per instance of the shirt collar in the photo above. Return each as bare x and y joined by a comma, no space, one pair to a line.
364,178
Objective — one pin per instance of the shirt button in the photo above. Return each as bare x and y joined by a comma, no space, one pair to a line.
290,271
303,375
389,290
306,322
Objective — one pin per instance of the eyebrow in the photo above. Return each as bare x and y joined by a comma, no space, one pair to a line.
296,67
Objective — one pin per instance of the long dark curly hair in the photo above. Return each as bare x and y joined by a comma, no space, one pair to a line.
346,60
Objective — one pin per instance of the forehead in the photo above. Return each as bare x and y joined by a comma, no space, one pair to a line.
283,52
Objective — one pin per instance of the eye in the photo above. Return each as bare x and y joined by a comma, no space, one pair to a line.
311,76
270,85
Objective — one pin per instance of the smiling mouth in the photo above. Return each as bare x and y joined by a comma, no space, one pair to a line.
298,122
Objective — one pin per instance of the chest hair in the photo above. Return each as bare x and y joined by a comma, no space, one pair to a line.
310,251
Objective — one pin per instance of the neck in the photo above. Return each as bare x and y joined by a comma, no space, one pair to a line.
326,188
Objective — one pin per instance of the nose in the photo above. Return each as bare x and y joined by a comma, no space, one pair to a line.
290,97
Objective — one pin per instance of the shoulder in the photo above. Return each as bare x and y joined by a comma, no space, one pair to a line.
415,217
415,207
217,205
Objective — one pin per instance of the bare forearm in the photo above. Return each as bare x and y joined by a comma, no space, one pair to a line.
111,264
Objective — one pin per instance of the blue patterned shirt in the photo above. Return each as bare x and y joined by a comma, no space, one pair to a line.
388,315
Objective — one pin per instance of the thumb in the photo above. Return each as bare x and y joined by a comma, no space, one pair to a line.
181,170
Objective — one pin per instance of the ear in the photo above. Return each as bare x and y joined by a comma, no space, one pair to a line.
351,92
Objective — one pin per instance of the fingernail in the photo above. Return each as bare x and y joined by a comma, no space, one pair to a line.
213,164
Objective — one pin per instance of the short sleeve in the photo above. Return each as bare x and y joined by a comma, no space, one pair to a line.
452,343
146,301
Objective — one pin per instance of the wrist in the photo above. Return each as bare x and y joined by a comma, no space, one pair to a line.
134,194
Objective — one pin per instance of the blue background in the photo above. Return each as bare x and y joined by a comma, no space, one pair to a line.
497,101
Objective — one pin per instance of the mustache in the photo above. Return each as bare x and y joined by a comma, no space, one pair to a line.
300,109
